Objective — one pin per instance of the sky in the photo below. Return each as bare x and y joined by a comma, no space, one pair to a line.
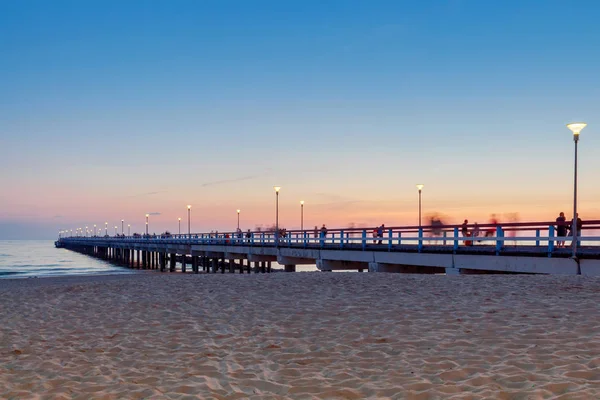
113,109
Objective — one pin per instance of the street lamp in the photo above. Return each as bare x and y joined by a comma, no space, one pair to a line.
86,231
147,215
105,228
189,219
420,187
277,189
94,229
302,215
179,219
123,227
115,230
238,213
128,230
575,127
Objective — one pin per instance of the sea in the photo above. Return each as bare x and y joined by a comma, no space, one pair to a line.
39,258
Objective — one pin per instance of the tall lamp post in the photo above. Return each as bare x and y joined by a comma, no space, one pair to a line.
128,230
277,189
86,231
123,227
147,215
105,228
116,230
94,229
302,215
576,128
238,215
189,219
179,220
420,187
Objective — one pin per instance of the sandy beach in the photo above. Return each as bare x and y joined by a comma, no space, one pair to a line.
300,336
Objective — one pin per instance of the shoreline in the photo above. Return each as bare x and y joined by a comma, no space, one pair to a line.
296,336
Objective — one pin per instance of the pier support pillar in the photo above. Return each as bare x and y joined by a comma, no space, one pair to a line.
195,264
172,260
183,263
163,261
214,264
269,267
290,268
138,259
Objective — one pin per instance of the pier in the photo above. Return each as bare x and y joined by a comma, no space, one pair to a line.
514,248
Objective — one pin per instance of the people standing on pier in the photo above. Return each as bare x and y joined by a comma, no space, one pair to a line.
380,233
248,235
491,231
316,232
464,229
579,225
375,236
323,231
476,231
561,229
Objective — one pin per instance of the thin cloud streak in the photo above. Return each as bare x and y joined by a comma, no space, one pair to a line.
147,194
224,181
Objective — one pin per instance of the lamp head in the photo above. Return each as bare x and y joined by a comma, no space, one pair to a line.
122,220
420,187
277,188
179,219
238,211
189,207
147,215
301,202
576,127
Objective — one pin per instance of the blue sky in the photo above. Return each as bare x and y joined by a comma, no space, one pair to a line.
112,109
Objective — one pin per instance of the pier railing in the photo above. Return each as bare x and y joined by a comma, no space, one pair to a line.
535,235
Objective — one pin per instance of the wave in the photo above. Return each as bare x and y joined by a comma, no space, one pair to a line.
38,266
5,255
3,273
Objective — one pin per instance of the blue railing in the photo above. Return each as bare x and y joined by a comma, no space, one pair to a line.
534,234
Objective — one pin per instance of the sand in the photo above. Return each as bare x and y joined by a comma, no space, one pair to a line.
300,336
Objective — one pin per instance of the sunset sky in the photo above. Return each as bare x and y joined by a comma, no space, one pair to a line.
113,109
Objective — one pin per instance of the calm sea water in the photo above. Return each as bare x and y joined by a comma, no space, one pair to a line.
28,258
